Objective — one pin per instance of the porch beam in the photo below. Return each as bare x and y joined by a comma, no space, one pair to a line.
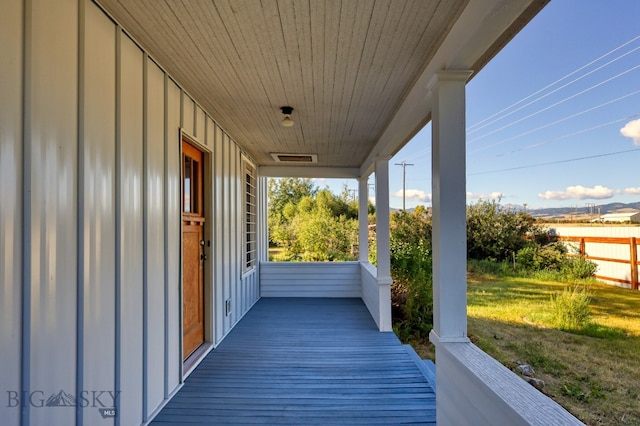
363,219
449,207
382,240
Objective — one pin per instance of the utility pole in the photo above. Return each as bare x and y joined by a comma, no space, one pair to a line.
404,165
591,207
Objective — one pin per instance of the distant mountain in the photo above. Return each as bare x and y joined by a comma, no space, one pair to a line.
563,211
600,208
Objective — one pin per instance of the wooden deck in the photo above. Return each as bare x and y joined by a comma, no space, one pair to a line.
305,361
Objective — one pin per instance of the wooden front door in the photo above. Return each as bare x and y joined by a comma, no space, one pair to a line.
193,256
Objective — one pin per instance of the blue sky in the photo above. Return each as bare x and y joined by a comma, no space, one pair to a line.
560,92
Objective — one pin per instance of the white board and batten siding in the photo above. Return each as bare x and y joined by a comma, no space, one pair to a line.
310,279
11,220
232,287
90,295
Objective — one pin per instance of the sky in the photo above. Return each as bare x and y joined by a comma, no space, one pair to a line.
553,120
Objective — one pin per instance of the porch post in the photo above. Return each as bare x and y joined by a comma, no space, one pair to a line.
363,219
382,239
449,207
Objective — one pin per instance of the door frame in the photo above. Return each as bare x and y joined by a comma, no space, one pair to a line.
196,357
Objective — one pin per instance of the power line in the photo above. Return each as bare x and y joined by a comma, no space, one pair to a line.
558,121
554,104
576,133
427,151
419,154
553,91
554,162
558,81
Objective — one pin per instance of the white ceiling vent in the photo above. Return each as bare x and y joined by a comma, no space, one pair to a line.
294,158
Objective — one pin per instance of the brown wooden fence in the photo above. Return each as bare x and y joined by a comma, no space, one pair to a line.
632,261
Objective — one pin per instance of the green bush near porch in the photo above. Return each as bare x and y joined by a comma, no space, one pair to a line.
412,289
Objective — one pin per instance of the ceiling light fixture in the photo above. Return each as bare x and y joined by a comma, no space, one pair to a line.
287,121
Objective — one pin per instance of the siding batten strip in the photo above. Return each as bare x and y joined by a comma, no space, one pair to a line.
180,266
80,212
181,113
226,243
206,129
225,248
236,303
25,368
217,300
165,204
118,236
195,121
145,235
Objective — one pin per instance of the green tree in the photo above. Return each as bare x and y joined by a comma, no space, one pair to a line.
495,232
284,195
323,236
287,191
312,224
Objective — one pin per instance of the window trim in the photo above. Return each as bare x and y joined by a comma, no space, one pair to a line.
249,216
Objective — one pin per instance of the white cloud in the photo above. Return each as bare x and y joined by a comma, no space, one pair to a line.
631,191
414,194
632,130
578,192
489,196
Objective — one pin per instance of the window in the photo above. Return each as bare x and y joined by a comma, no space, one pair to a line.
250,210
191,180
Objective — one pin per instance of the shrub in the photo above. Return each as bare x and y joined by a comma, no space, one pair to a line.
412,304
412,289
570,308
323,237
579,268
526,256
551,256
553,260
495,232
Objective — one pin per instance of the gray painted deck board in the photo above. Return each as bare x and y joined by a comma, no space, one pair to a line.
305,361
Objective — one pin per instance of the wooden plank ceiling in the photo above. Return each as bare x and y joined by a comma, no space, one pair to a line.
344,66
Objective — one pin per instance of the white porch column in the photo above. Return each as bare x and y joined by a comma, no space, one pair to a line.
449,207
382,240
363,219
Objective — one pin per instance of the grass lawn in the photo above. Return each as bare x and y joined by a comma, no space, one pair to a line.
275,253
596,378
